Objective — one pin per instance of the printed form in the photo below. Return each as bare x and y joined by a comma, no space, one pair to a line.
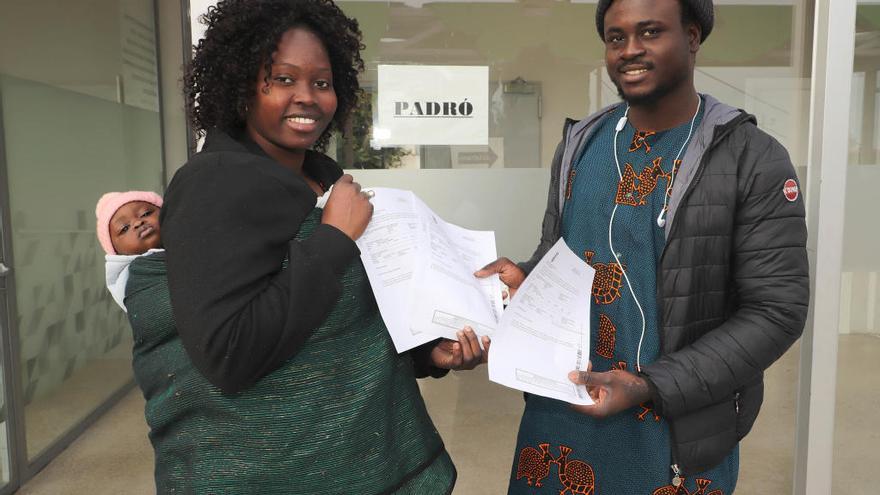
389,251
421,271
545,331
449,296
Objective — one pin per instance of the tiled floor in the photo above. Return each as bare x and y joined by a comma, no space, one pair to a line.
478,420
113,457
50,417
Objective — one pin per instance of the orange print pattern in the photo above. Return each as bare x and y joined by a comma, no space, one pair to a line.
702,486
633,190
640,139
607,281
607,337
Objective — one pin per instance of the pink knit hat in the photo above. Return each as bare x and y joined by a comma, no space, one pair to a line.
112,201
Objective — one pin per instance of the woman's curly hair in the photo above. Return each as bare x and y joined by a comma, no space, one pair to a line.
241,37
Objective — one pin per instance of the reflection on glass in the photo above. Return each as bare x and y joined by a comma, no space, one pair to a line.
546,64
80,116
856,432
532,49
358,149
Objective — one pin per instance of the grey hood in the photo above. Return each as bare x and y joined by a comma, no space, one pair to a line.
578,133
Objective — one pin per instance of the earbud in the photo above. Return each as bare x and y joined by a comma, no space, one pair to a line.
661,219
621,124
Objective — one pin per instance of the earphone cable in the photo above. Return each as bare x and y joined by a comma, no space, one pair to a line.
660,220
631,291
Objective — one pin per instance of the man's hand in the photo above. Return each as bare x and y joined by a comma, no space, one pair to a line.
462,355
612,391
507,271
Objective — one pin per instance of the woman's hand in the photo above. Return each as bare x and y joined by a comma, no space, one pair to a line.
348,209
462,355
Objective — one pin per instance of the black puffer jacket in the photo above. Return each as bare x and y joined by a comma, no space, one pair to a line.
732,285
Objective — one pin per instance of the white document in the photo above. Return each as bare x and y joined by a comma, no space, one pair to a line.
545,331
389,251
421,271
449,296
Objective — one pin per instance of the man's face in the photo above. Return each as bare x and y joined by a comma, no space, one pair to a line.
134,228
648,52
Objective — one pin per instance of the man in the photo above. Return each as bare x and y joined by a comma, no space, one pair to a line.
693,220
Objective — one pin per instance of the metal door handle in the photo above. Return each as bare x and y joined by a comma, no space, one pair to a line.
3,270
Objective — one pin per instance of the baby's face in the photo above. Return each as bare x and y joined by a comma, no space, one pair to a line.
134,228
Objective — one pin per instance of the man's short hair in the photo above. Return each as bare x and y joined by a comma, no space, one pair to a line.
700,12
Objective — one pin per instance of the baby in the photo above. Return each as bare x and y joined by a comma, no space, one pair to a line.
127,227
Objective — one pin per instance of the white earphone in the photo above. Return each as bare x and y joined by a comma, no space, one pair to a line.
661,218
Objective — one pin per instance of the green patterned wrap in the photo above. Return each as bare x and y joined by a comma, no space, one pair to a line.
343,416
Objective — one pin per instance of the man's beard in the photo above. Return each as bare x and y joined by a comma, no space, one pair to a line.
654,96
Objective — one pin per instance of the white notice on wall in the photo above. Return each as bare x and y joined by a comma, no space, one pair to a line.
432,104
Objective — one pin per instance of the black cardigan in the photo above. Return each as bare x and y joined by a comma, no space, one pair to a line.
227,223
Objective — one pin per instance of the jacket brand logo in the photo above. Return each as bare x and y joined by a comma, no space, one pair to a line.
433,109
790,190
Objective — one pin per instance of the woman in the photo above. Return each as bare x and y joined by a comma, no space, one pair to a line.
289,382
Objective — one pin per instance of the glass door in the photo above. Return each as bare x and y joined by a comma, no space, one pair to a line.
80,117
855,454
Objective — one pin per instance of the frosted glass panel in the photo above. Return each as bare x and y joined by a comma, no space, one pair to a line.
80,118
856,435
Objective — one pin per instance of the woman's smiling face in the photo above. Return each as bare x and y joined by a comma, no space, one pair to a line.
290,112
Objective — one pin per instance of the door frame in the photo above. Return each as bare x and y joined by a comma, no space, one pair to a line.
9,348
